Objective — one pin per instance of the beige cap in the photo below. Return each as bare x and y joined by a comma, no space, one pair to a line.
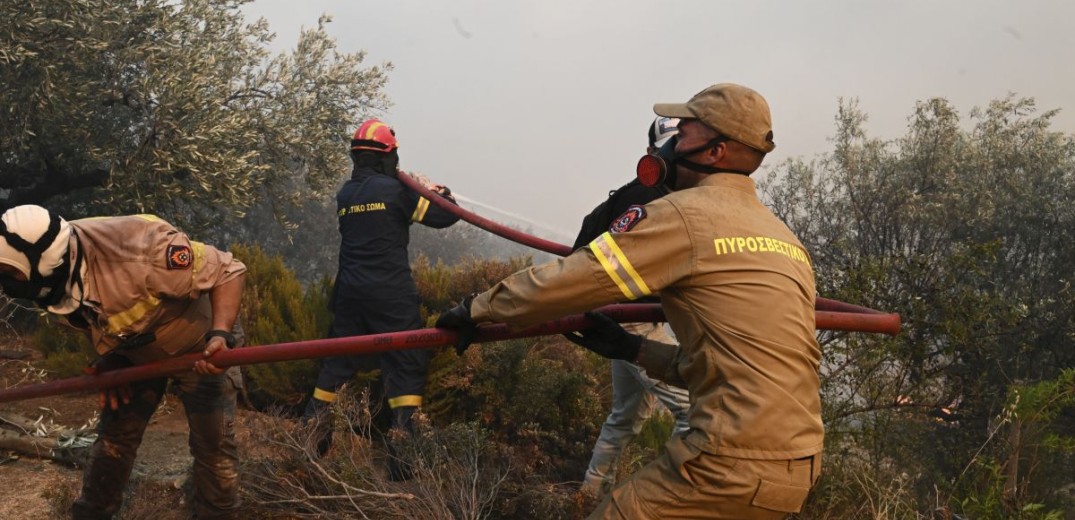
732,110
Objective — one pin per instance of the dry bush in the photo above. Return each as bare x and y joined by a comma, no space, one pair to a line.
536,500
457,472
541,396
458,469
59,500
853,486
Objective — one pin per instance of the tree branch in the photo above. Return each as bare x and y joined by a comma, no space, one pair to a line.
47,181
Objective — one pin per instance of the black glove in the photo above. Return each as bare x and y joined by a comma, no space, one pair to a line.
443,191
607,338
458,319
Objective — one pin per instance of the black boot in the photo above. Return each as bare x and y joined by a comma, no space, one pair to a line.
399,467
403,419
401,434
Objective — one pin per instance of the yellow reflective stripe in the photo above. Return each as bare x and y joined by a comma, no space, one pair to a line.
121,321
370,130
420,210
628,267
143,216
324,395
405,400
198,249
617,266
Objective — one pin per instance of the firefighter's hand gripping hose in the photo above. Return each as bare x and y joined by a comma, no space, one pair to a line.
425,338
116,396
458,319
607,338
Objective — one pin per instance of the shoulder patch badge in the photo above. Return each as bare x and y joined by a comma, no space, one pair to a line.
628,220
179,257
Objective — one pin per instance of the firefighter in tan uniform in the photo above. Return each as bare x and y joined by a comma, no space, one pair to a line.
738,290
142,291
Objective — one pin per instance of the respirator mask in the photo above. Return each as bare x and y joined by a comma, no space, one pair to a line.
43,291
659,169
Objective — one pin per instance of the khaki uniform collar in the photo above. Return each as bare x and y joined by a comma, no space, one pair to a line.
736,181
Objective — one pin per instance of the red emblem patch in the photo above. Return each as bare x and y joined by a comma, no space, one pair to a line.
179,257
628,220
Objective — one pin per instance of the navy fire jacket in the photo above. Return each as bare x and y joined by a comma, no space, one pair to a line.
375,213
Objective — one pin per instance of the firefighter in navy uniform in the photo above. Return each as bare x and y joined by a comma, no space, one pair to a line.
737,288
374,291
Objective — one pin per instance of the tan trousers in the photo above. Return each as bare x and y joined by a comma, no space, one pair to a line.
712,487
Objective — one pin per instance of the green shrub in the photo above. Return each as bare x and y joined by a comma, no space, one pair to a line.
538,395
543,396
1032,450
276,309
647,445
441,286
66,350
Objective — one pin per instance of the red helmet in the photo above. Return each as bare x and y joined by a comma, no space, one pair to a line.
375,136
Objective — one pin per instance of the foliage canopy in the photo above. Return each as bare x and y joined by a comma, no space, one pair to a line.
154,106
967,229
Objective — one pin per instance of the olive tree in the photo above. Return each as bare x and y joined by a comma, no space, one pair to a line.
164,106
966,227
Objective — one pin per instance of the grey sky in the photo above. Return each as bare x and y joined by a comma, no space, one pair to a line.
540,107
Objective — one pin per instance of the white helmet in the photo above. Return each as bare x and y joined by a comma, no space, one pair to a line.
35,241
662,129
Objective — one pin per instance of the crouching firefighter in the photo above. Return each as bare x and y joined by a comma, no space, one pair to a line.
374,291
141,291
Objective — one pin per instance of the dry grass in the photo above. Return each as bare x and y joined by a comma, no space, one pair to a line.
145,499
457,471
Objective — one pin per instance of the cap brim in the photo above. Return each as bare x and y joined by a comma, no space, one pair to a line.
673,110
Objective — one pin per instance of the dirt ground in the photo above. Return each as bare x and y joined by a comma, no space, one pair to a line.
29,482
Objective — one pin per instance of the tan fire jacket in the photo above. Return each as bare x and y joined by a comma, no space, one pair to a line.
738,290
146,285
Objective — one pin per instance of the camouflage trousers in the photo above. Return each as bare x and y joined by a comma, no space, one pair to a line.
209,402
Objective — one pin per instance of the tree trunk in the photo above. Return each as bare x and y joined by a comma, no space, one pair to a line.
1011,466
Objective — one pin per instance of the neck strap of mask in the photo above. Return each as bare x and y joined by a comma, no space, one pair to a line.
701,168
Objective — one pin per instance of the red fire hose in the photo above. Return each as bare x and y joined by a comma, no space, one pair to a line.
514,235
821,304
425,338
830,315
